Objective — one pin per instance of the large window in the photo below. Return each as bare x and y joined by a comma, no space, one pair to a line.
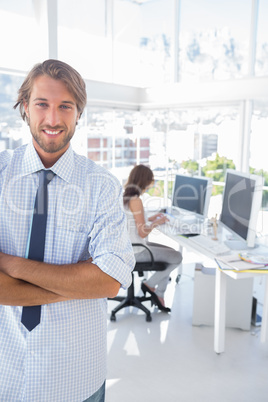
157,42
143,42
179,135
214,39
12,128
195,141
261,65
112,139
258,155
259,131
23,42
84,40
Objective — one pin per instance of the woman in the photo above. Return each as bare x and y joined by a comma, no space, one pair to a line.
140,179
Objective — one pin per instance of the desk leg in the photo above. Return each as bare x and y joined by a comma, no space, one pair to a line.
264,322
220,305
180,266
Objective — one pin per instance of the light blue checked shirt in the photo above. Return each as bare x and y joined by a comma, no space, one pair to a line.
64,357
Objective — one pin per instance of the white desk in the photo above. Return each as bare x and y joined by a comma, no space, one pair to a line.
220,289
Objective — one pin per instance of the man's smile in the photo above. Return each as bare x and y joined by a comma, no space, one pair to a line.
52,132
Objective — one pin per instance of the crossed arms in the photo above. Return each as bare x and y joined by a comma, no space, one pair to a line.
26,282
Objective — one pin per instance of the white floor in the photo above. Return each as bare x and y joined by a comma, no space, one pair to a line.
169,360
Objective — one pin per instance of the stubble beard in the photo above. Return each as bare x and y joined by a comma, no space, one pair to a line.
51,147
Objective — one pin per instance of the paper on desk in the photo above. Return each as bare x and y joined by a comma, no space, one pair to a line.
256,257
233,261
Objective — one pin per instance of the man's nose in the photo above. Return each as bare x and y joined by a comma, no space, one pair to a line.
52,117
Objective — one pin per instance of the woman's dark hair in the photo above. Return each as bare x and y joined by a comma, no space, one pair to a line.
140,177
57,70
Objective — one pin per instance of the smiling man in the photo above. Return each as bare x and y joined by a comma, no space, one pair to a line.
53,307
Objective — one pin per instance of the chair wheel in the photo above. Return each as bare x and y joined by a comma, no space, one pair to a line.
113,317
148,318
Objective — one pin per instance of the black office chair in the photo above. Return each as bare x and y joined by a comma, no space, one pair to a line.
131,299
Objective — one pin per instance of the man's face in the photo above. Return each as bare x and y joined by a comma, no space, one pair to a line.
52,116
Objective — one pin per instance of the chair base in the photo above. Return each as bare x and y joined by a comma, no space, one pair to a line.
131,299
134,301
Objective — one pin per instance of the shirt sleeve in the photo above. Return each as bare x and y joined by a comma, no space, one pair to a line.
110,245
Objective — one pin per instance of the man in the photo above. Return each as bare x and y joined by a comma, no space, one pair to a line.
87,254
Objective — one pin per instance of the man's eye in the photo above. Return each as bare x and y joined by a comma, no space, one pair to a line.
42,104
65,107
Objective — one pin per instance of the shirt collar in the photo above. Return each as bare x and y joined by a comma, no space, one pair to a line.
62,168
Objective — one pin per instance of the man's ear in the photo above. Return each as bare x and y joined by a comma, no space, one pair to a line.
26,110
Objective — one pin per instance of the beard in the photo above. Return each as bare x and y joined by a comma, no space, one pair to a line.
51,146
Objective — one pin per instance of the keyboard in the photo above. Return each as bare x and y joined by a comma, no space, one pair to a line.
183,219
213,246
176,226
172,220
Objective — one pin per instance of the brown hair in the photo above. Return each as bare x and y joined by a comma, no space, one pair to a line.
140,177
57,70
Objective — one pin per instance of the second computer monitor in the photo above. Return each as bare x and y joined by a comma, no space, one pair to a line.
241,204
192,194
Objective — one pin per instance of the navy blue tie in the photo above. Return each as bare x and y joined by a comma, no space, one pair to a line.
31,314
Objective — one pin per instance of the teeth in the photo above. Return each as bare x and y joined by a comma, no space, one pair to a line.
52,132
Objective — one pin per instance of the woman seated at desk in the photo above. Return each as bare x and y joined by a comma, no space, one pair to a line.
140,179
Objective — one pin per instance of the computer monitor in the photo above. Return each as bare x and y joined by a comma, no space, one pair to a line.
191,194
241,204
